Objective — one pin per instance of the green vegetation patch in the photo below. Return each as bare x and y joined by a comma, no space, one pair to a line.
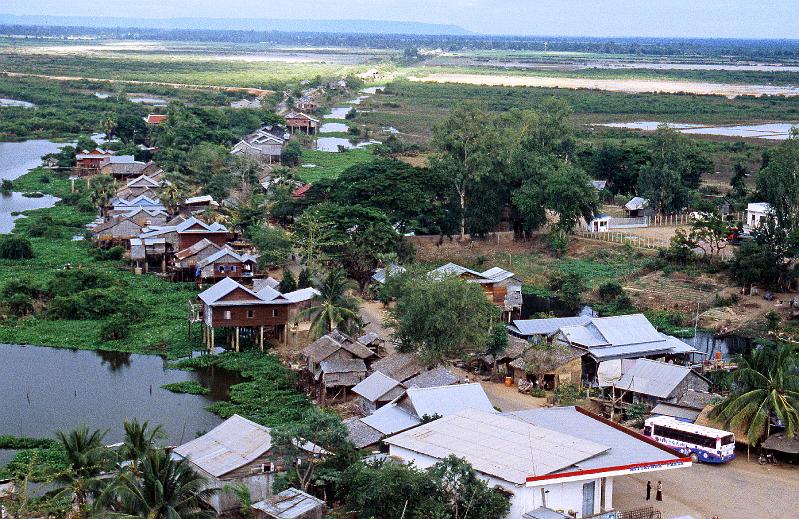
269,396
190,387
331,165
22,442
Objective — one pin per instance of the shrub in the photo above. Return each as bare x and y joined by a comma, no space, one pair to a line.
112,254
190,387
636,412
537,392
72,281
6,186
65,307
610,290
15,247
20,304
567,394
115,329
26,286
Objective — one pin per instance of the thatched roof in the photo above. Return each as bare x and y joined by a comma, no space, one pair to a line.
546,358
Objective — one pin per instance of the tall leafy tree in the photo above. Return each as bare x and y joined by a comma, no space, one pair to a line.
467,151
441,318
766,388
778,182
312,440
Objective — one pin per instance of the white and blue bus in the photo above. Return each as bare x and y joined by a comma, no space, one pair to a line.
700,443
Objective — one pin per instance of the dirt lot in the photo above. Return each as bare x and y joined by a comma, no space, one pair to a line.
630,86
737,490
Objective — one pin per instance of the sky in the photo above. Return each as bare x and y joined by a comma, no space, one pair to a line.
613,18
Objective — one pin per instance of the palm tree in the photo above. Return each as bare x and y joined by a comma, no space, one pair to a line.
103,188
334,307
140,439
766,386
166,489
171,197
86,457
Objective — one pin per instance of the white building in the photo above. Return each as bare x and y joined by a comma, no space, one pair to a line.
561,458
758,213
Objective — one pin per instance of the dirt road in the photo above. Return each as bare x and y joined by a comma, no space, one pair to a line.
737,490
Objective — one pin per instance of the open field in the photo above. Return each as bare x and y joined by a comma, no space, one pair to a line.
331,165
630,86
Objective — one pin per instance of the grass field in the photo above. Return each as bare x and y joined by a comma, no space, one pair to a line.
331,165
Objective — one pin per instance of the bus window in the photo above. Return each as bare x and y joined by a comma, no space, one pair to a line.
726,440
648,430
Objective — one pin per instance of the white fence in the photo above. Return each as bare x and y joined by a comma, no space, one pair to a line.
644,242
628,223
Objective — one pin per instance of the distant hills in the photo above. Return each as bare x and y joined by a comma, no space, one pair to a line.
238,24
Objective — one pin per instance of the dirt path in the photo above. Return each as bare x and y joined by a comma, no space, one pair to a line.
246,90
630,86
739,489
374,314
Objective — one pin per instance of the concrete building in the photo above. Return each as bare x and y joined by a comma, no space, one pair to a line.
562,458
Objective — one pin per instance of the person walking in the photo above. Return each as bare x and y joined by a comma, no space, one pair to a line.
659,494
648,490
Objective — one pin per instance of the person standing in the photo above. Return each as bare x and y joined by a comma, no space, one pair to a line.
648,490
659,494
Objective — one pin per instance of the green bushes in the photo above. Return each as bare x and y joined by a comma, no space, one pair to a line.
95,303
567,394
15,247
115,329
190,387
20,304
114,253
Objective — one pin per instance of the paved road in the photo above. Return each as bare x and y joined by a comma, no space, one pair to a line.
737,490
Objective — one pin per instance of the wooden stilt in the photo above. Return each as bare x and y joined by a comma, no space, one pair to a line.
237,339
262,338
211,332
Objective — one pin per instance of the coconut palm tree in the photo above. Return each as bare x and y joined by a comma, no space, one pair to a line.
766,386
172,196
86,457
334,307
166,489
103,188
140,439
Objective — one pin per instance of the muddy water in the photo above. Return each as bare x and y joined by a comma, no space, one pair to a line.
48,389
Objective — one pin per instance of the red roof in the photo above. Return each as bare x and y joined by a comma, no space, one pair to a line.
300,191
156,119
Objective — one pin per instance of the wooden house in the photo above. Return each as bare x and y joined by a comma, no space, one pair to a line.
650,382
123,167
155,119
236,452
289,504
375,391
197,203
240,311
300,122
146,216
637,207
399,366
226,263
334,346
142,185
502,287
306,104
184,263
341,373
265,144
547,366
89,163
148,254
116,230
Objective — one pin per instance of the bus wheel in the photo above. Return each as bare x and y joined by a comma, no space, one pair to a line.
694,457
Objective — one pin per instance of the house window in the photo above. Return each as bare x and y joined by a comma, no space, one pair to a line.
221,268
227,314
233,268
275,312
250,314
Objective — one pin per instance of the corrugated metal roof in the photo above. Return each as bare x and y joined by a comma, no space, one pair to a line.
343,366
433,378
651,377
626,329
545,513
361,434
447,400
676,411
374,386
625,449
587,336
195,249
636,203
303,294
390,419
231,445
547,327
289,504
497,445
258,284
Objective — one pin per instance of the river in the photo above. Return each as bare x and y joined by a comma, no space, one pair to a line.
48,389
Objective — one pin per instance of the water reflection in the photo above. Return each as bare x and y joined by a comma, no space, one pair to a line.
49,389
115,360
